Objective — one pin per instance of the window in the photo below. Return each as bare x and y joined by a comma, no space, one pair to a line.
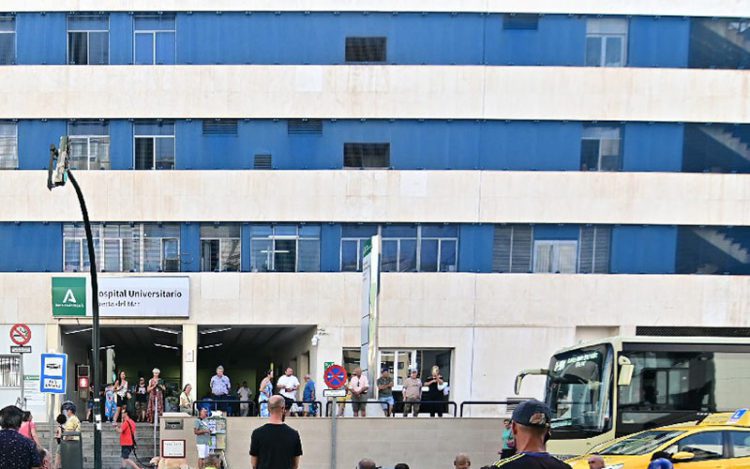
262,162
220,248
304,126
511,249
353,238
10,371
7,40
594,250
8,145
400,362
438,248
520,21
154,145
88,39
601,149
705,445
740,444
220,127
366,49
154,39
285,248
367,155
555,256
123,247
89,145
399,248
606,42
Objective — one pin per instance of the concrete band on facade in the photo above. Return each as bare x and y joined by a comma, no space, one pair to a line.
376,92
721,8
385,196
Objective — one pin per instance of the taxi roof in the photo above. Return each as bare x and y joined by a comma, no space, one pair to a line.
738,418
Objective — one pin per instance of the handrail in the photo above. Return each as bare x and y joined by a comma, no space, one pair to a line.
254,406
487,403
370,401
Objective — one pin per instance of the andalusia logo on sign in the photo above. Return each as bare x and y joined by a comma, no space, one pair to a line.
68,296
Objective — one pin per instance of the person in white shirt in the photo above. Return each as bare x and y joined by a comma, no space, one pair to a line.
359,386
287,386
244,394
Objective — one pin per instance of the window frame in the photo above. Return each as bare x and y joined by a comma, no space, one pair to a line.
271,254
15,137
600,27
418,238
153,167
88,137
153,33
603,130
88,40
15,39
17,373
731,443
556,244
221,241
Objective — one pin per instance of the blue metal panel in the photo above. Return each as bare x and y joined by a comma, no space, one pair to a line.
198,151
34,139
120,39
41,38
190,247
245,243
520,145
652,147
31,247
475,248
330,245
559,40
556,232
121,144
658,42
644,249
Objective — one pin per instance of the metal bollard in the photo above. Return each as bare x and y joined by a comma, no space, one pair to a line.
71,450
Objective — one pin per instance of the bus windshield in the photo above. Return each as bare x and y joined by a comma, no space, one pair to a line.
579,391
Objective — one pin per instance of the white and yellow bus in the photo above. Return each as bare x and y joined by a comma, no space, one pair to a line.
603,389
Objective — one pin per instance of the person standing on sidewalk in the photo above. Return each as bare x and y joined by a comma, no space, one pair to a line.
127,438
243,393
308,397
385,392
220,387
287,386
265,391
359,386
202,436
275,445
412,393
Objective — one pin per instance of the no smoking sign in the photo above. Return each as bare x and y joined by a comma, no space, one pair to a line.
20,334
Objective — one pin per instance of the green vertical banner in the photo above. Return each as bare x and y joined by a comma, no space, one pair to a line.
68,296
369,313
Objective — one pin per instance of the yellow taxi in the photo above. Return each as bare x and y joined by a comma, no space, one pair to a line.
720,440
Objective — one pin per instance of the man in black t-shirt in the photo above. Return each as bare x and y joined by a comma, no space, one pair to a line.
531,428
275,445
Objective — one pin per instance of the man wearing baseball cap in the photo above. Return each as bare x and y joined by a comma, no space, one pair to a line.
531,429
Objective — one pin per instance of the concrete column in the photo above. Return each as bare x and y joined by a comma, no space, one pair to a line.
190,357
54,341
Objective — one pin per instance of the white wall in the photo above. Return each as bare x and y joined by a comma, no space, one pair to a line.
483,317
728,8
387,91
375,196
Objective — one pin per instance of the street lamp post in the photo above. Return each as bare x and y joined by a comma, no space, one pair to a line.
56,177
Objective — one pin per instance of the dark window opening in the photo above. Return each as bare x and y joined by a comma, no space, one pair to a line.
366,49
262,162
521,21
367,155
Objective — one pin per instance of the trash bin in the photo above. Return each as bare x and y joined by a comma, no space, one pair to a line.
71,450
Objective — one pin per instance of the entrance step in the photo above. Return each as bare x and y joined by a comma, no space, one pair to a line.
110,444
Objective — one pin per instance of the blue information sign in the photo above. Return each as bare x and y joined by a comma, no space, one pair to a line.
54,377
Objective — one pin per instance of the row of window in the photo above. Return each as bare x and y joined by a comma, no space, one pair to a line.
601,42
154,145
147,247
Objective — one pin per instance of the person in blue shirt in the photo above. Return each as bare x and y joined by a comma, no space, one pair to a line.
308,395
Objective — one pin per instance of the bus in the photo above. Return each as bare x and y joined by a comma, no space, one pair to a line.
603,389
